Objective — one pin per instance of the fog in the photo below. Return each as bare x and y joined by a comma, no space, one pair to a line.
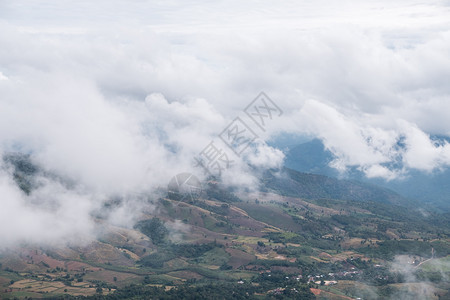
119,97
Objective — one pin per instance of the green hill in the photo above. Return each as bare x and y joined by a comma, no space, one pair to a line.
302,235
312,186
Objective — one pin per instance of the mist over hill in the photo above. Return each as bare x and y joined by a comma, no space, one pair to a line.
312,186
295,236
432,189
224,149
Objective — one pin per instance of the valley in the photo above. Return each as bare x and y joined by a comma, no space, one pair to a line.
263,244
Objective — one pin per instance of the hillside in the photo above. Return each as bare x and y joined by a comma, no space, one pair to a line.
247,245
428,189
313,186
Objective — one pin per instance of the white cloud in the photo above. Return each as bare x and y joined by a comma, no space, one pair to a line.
120,96
52,215
421,152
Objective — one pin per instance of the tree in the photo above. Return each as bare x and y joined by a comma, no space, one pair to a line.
154,229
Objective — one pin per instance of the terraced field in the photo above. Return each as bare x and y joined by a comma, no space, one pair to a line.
298,241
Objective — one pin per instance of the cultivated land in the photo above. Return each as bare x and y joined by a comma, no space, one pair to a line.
264,245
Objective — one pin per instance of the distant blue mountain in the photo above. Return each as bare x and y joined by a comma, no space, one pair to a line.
431,189
310,157
288,182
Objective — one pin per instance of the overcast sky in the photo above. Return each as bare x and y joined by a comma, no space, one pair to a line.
121,95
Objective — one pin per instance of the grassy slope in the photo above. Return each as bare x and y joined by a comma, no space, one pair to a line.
297,230
309,235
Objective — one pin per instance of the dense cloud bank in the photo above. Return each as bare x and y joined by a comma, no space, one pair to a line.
121,96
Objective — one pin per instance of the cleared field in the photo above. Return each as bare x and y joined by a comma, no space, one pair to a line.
108,276
437,265
50,287
239,258
185,275
323,294
270,214
355,243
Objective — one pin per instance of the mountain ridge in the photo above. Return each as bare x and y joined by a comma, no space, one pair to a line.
428,190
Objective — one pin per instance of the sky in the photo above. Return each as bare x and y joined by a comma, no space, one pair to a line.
120,96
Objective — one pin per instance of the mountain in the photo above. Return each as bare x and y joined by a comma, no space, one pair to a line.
310,157
432,190
302,236
312,186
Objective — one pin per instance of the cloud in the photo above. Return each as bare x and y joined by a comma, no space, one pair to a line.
414,287
52,215
377,151
120,96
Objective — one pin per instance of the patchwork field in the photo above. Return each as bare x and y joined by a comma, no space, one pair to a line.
265,245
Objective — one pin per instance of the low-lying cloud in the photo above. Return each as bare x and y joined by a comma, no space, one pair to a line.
119,98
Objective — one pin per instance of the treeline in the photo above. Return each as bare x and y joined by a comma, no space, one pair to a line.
171,251
222,291
389,249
